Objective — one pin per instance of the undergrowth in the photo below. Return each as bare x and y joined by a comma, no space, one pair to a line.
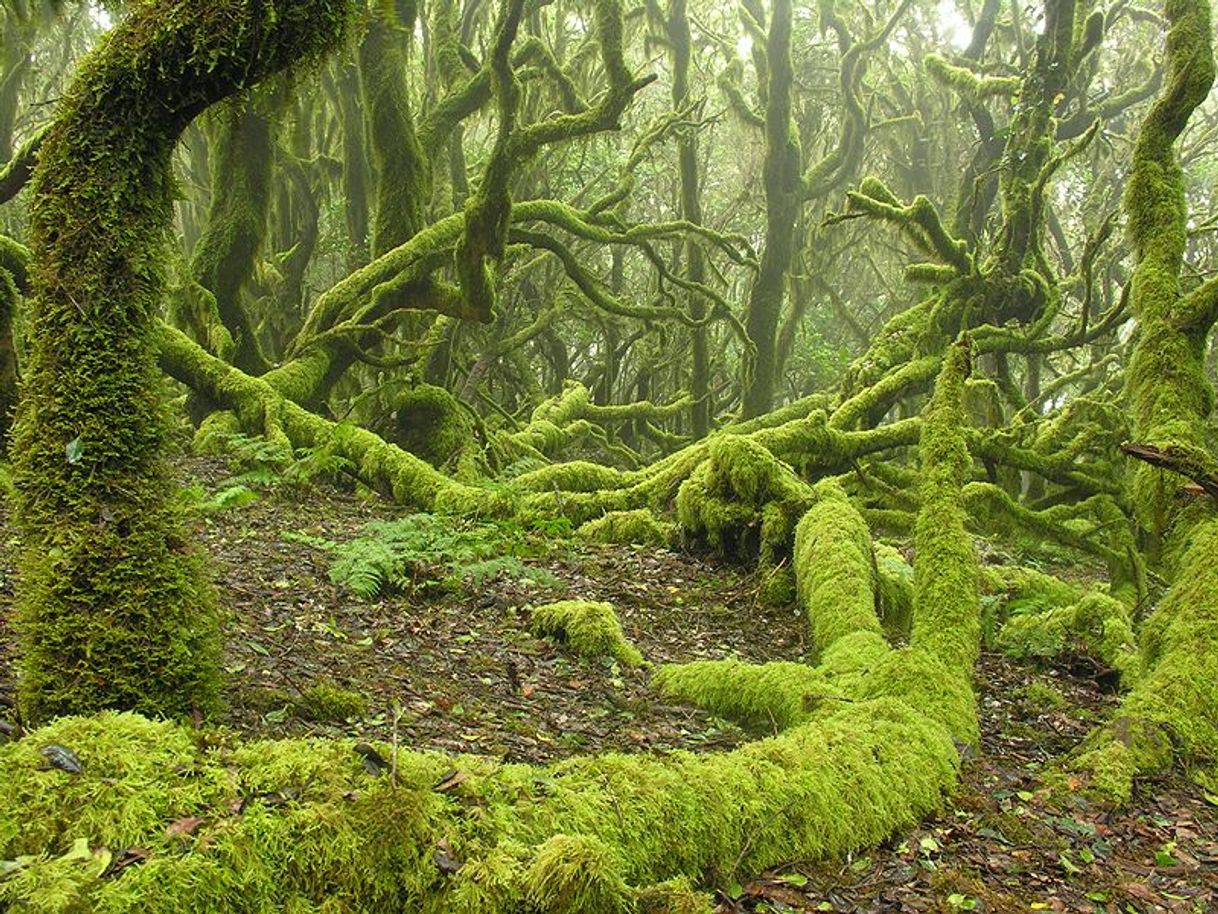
260,466
426,551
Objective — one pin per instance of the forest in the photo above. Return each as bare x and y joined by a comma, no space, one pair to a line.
608,456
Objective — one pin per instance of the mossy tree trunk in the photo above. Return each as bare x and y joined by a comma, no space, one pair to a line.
783,187
1171,714
112,608
242,161
400,168
691,210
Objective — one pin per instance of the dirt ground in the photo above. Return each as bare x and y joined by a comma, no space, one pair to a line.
454,667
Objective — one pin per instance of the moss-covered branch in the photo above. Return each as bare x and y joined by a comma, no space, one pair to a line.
16,172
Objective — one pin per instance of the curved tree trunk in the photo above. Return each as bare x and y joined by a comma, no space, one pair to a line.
112,608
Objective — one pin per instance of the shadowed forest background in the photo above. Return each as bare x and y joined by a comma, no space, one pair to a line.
608,456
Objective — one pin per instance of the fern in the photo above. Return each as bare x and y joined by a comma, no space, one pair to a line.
508,566
423,550
366,566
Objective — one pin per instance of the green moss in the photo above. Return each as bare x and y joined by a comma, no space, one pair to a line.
575,874
431,424
591,629
300,825
742,500
327,701
1167,390
241,161
401,169
833,567
1043,697
894,590
114,610
638,526
571,476
1097,625
924,682
947,620
769,696
1172,712
673,896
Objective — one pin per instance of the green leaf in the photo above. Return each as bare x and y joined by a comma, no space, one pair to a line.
799,880
74,451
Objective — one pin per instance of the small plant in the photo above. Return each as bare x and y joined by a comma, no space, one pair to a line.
426,550
258,464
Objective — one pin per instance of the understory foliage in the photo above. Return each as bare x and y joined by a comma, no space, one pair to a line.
425,550
464,258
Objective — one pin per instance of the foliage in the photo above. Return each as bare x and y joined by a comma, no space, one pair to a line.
426,550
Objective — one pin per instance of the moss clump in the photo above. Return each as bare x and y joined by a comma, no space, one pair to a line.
575,874
742,500
673,896
769,696
1043,697
326,701
591,629
638,526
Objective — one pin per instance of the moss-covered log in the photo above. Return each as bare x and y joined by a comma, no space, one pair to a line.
303,826
112,609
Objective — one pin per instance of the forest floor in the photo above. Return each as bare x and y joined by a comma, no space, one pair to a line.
445,660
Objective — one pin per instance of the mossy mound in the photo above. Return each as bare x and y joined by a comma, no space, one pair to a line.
326,700
590,629
1097,625
640,526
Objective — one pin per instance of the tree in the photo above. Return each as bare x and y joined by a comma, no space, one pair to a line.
529,197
